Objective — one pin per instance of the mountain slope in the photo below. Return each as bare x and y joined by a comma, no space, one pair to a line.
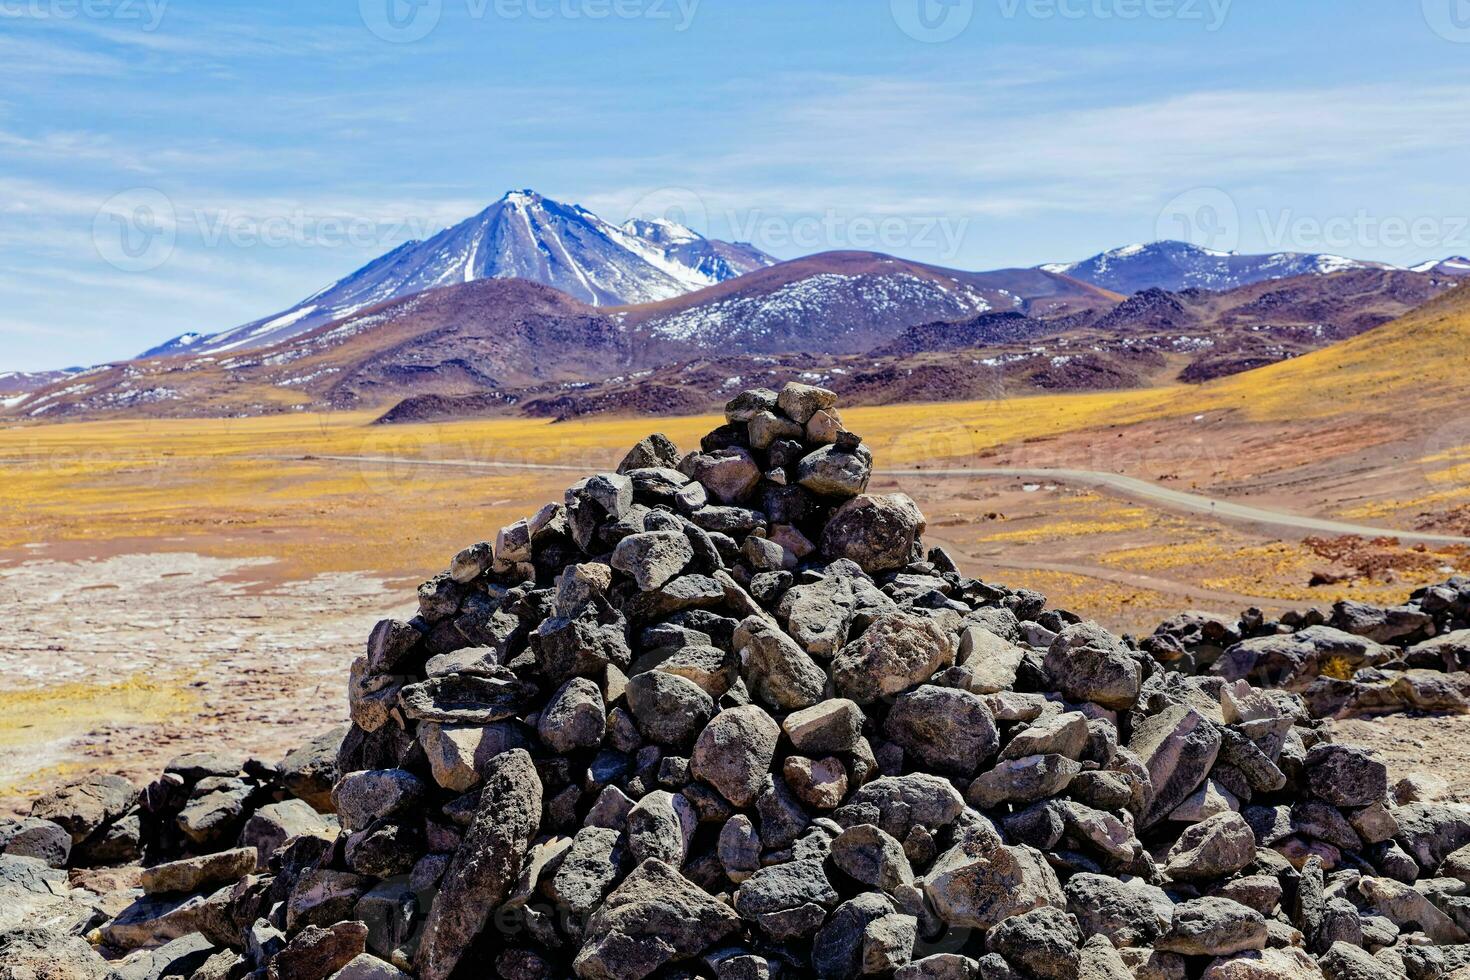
521,236
1180,265
1457,265
482,336
1413,367
844,303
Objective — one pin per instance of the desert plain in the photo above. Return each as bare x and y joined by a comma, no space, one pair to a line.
170,583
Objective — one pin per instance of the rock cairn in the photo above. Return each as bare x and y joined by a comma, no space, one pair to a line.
721,715
1355,659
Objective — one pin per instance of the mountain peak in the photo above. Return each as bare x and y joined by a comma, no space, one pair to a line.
1176,265
523,235
662,231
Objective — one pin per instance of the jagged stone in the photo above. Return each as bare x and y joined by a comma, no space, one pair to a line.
486,864
896,653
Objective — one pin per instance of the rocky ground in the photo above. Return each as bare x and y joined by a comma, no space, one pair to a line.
120,662
725,715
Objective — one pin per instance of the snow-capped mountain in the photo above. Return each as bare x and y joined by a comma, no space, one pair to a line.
12,382
844,303
1458,266
522,236
1179,265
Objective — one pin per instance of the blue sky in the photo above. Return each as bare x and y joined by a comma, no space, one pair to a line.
275,146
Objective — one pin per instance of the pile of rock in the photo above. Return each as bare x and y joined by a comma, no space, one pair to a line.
721,715
1356,659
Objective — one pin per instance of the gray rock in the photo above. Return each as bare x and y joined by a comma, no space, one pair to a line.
1260,892
819,615
669,709
467,699
781,816
459,754
940,966
1212,848
196,873
888,943
834,725
1178,746
837,952
831,472
1410,909
766,428
660,826
359,798
485,866
730,475
1346,776
1344,962
575,717
315,952
899,803
1129,912
898,652
786,901
210,818
1430,832
799,402
84,806
390,911
739,848
322,896
877,532
585,873
1044,942
872,857
949,731
1025,780
33,837
656,916
653,558
276,823
734,752
656,450
1065,734
1087,663
1291,662
978,883
40,954
777,671
1213,927
367,967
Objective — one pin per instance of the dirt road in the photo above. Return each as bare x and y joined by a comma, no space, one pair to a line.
1126,486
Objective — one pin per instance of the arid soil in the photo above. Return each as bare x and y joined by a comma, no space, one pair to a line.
120,662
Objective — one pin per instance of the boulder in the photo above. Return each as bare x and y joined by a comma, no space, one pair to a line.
486,864
877,532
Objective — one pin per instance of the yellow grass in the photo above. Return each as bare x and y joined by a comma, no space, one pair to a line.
261,487
34,718
265,487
